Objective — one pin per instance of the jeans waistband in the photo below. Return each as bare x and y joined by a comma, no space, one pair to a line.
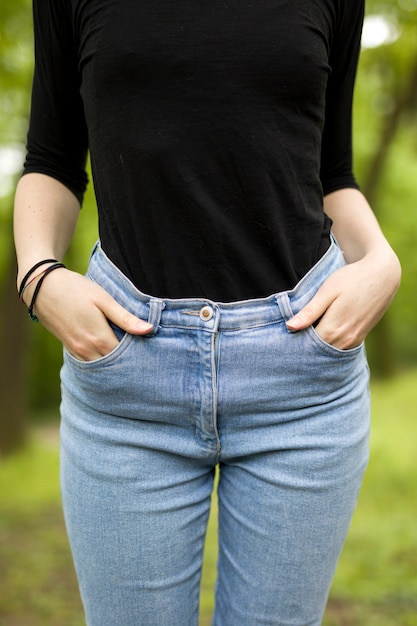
205,314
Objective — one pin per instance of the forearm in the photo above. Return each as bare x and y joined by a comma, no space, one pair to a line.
356,228
354,298
73,308
45,217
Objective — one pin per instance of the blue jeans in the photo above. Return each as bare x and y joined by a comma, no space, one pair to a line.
285,417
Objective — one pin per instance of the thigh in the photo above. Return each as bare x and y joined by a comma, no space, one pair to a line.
136,491
294,449
279,543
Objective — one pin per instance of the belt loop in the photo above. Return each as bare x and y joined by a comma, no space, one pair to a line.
284,304
156,306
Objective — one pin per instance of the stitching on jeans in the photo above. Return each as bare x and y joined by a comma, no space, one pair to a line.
223,330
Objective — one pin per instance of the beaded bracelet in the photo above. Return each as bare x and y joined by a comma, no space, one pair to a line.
32,269
37,288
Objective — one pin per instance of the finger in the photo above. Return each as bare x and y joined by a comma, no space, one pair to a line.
312,312
86,353
124,319
90,340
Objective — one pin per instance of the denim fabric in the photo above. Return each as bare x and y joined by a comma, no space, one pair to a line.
285,417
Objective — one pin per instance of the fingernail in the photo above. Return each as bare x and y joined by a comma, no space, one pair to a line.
294,322
145,326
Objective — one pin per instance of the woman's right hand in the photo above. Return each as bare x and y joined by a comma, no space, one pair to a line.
76,310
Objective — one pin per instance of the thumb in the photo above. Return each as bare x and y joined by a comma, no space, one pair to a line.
311,312
124,319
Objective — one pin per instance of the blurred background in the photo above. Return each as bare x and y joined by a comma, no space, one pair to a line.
376,582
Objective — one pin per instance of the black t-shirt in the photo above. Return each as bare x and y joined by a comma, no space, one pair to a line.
215,127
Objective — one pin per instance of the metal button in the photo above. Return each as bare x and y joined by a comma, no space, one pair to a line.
206,313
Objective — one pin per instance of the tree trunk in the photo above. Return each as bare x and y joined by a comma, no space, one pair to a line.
380,345
12,364
405,103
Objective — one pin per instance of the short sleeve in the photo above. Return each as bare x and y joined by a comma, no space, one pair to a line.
336,157
57,141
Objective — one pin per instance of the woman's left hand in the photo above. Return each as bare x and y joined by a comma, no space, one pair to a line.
352,300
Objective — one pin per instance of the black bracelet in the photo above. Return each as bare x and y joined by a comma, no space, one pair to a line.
32,269
37,288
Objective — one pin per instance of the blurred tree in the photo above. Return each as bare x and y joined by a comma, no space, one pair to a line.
15,68
12,367
388,77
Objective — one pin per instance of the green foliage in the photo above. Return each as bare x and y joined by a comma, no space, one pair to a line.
15,72
376,581
386,130
16,60
36,572
397,203
379,561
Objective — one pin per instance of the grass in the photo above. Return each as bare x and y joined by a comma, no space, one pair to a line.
376,581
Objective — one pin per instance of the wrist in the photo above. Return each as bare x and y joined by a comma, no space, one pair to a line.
385,257
32,282
31,279
27,266
385,263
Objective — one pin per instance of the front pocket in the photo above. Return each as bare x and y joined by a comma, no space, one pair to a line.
107,359
313,337
327,347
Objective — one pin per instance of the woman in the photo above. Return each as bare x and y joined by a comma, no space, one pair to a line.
219,323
